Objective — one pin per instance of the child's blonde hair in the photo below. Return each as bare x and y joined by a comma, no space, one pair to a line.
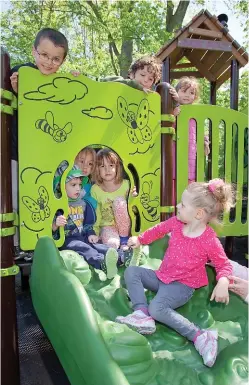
152,63
186,82
215,197
87,150
111,157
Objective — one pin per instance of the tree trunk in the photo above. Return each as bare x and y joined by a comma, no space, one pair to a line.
175,20
125,58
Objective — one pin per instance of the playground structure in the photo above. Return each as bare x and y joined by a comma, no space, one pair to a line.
85,108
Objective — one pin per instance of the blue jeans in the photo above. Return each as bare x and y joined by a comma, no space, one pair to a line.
169,297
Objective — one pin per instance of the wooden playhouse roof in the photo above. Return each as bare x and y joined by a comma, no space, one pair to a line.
208,46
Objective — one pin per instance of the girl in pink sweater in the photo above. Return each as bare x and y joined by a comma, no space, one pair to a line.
191,245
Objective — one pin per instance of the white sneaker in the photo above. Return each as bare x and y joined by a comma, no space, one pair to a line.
138,321
207,345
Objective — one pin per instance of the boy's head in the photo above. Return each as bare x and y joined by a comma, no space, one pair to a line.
146,71
74,182
50,50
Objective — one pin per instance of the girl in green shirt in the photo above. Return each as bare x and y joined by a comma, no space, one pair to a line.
111,192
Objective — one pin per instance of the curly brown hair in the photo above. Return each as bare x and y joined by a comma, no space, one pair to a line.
153,64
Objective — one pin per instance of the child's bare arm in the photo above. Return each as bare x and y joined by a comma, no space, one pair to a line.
14,81
177,111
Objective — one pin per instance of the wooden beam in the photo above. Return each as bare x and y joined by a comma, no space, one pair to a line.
180,74
210,58
168,48
205,44
225,76
201,67
206,32
176,56
234,93
218,68
241,59
182,65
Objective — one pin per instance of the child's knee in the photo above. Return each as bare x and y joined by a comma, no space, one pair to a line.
113,242
130,272
157,311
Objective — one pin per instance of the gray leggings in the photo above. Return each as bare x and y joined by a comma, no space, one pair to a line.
169,296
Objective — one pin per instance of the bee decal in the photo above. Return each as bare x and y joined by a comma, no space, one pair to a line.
48,126
38,208
137,122
150,205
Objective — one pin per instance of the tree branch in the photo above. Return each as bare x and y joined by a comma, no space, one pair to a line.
176,19
99,18
112,59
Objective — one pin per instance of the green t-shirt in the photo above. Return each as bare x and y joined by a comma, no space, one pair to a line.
105,216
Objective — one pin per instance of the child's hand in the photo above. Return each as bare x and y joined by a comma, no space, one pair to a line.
239,286
93,238
177,111
174,93
61,221
147,90
75,73
220,292
206,145
14,81
133,242
134,192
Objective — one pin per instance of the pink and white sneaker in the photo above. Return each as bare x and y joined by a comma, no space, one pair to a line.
138,321
207,345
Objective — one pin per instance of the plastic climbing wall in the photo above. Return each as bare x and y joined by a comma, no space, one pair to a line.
58,116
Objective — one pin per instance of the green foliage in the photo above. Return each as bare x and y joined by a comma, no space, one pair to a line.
99,33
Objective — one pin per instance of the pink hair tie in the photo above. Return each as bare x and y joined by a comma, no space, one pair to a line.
214,183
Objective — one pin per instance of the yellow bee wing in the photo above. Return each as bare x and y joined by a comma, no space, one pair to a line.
43,194
122,107
31,204
146,133
47,211
68,127
142,114
50,118
36,217
132,135
146,187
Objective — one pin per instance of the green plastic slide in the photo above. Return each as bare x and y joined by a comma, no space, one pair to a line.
77,311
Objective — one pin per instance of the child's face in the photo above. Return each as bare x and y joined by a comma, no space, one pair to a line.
186,212
143,77
48,57
187,96
73,188
85,162
107,171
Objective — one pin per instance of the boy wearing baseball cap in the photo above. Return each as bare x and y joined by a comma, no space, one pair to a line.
78,226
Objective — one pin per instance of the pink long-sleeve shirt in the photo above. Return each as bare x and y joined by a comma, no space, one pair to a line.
185,258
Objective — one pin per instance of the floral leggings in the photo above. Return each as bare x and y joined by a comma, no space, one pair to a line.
110,235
